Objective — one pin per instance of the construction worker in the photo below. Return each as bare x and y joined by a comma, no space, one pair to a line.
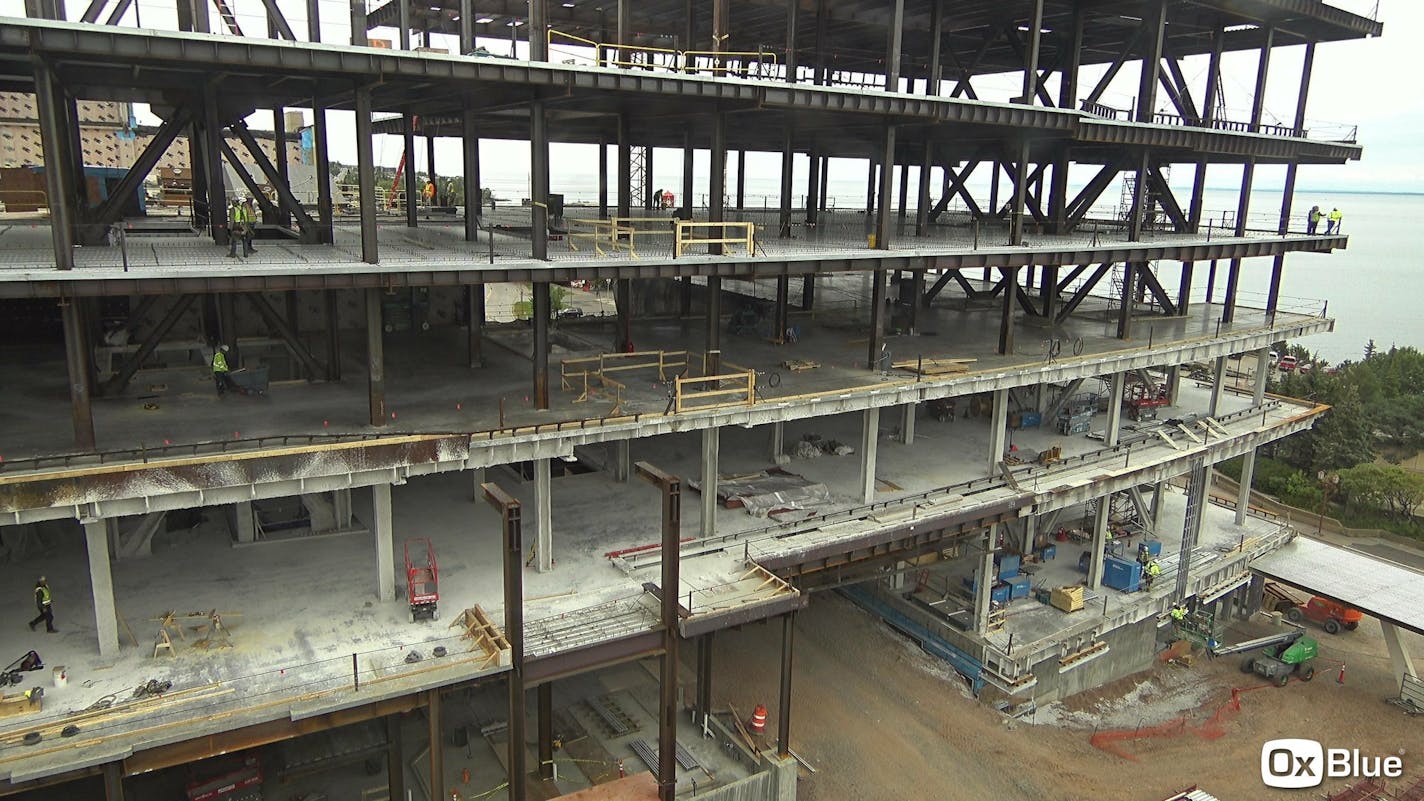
46,609
220,368
1179,614
429,192
1151,572
1312,220
1332,223
239,223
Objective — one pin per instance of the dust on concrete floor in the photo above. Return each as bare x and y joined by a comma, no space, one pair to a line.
880,719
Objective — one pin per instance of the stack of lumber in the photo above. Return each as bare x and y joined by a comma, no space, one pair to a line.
934,366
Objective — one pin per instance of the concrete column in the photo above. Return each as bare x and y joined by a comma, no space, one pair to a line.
1174,384
1030,527
114,781
984,582
245,522
1100,541
869,441
778,440
341,501
543,515
395,759
382,527
1243,494
1157,490
907,423
477,478
101,582
1399,658
1263,366
1218,385
998,430
622,460
710,446
1114,429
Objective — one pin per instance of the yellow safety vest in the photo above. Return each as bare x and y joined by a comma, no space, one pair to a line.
43,593
219,362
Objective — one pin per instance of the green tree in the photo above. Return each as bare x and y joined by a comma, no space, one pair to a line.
1392,489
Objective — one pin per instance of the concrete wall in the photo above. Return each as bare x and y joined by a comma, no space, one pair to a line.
759,787
1130,649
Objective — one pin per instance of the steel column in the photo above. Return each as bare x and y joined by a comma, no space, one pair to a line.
1035,39
625,160
783,302
887,185
741,180
1006,315
1124,312
212,149
713,325
540,290
113,781
1117,388
320,152
539,181
813,189
474,199
1263,68
602,179
788,157
365,174
511,516
1020,201
877,320
437,743
545,695
711,449
76,358
783,715
704,679
395,759
412,189
333,335
717,188
936,69
792,6
922,200
671,487
1288,196
892,50
538,30
279,150
1156,17
375,359
688,187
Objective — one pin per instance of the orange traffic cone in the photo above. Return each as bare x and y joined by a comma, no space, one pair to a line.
759,719
1340,679
465,776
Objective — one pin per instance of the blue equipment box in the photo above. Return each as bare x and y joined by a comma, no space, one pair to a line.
1048,552
1121,574
1018,587
1008,565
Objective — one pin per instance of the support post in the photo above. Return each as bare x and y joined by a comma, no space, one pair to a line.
545,693
783,715
542,314
1117,389
1218,386
411,188
877,322
1399,658
704,678
375,358
1006,311
869,442
1100,542
76,359
887,185
984,581
473,194
671,487
474,325
395,758
437,743
383,529
711,442
543,515
52,140
244,522
713,324
539,180
365,175
998,430
907,423
778,440
892,51
101,582
113,781
510,514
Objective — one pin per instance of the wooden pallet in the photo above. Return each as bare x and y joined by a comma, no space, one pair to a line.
934,366
798,365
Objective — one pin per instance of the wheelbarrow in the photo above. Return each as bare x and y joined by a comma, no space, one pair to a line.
248,380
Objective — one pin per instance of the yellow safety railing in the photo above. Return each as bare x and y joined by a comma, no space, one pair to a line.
686,235
350,195
26,199
661,360
601,234
748,63
689,395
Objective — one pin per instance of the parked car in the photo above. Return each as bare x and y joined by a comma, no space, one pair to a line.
1287,363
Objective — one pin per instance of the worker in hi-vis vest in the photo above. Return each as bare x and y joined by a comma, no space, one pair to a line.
46,609
220,368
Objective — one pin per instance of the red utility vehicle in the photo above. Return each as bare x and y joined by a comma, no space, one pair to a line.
1329,615
422,579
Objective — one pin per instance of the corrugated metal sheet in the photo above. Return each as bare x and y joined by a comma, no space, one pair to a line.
1384,589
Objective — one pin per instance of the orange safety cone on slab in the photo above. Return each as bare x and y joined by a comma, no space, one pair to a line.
759,719
1340,679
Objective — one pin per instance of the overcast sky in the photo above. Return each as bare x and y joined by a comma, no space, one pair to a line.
1367,83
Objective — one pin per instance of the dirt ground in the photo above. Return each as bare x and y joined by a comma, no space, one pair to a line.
880,719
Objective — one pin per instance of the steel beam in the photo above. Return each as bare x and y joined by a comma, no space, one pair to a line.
887,185
717,189
877,320
788,160
1035,37
76,358
539,178
126,371
437,742
284,330
625,160
395,758
1006,315
792,60
545,696
892,49
511,517
1154,23
412,188
783,717
53,136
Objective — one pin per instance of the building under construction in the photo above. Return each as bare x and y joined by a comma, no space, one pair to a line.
997,385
